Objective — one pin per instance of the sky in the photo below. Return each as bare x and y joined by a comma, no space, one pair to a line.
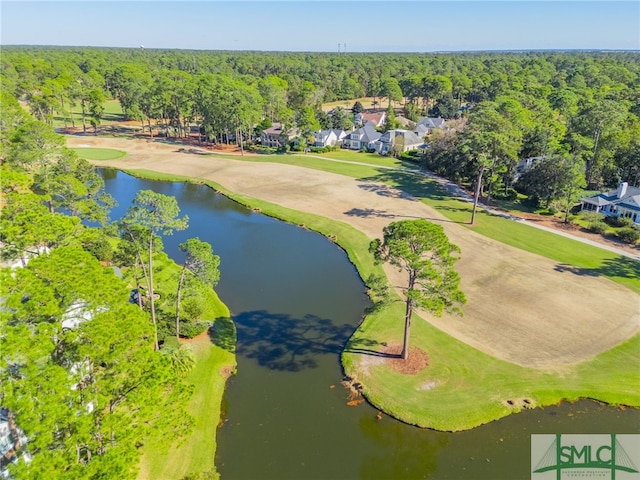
328,26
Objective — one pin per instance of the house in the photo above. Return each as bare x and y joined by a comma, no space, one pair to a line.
427,124
377,118
361,138
622,202
277,136
332,137
397,141
525,164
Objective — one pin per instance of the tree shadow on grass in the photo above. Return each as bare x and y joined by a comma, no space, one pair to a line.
366,346
282,342
371,212
419,186
621,267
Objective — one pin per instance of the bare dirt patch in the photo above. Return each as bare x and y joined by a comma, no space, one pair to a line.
416,361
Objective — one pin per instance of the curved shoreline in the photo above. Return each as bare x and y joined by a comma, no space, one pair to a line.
374,387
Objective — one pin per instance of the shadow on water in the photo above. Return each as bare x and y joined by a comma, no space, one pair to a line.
622,267
284,342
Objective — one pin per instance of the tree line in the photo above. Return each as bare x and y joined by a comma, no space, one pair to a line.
584,105
86,374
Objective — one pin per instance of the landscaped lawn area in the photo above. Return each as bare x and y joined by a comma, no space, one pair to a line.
215,360
462,387
90,153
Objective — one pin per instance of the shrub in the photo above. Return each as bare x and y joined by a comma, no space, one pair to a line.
619,221
591,217
263,150
190,329
628,235
597,227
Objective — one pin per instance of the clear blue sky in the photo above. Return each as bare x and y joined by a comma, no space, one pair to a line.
364,26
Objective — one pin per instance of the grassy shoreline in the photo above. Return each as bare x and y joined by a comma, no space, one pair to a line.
463,387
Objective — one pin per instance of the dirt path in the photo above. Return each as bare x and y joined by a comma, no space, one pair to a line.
521,307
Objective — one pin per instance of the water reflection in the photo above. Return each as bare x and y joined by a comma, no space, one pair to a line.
287,342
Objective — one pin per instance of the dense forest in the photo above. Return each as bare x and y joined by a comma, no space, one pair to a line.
91,369
578,110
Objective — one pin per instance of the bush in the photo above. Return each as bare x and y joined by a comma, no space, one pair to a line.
263,150
619,221
591,217
328,148
411,156
510,195
190,329
628,235
597,227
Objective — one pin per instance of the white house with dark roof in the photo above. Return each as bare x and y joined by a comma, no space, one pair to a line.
361,138
622,202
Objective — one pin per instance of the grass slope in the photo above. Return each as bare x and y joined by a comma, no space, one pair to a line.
463,387
214,361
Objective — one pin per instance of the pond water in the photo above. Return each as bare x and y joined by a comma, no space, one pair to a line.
295,299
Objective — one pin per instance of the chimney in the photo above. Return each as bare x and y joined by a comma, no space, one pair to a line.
622,189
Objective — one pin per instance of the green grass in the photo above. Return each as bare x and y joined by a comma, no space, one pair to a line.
463,387
91,153
196,452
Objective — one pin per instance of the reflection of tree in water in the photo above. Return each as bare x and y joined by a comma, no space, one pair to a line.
282,342
405,452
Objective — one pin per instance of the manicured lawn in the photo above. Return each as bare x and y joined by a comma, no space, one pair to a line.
91,153
462,387
197,452
214,361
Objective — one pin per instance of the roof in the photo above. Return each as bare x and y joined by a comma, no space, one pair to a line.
275,129
630,198
376,117
432,122
369,134
410,138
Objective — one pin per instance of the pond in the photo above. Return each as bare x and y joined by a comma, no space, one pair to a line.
296,299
